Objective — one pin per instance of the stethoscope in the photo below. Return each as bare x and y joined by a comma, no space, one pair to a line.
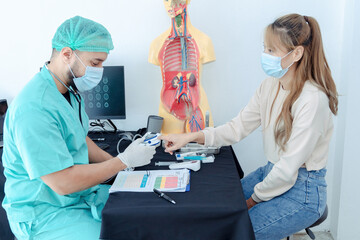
75,93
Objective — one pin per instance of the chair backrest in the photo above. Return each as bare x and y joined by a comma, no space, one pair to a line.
3,109
5,231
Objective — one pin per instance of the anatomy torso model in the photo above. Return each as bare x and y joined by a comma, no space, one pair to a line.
180,52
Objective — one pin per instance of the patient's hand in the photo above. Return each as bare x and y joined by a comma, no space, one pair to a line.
175,141
250,203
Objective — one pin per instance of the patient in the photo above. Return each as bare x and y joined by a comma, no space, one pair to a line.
294,108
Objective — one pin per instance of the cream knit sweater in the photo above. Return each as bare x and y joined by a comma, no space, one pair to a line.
308,144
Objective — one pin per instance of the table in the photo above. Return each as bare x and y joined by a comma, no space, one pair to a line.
214,208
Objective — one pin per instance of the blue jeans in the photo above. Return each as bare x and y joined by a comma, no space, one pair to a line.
290,212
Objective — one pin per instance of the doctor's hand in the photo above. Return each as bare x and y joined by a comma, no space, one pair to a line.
137,154
175,141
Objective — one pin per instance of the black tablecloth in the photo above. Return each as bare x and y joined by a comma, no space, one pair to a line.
214,208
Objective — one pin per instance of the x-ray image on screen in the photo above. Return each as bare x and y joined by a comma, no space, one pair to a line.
107,100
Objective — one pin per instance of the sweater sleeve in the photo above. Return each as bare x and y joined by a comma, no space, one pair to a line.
239,127
309,114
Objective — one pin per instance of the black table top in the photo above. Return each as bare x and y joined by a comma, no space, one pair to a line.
214,208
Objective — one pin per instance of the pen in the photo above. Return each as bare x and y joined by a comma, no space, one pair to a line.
163,195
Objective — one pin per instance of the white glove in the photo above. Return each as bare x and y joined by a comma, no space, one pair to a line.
137,154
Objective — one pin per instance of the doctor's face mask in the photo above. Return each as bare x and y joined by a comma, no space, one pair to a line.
90,79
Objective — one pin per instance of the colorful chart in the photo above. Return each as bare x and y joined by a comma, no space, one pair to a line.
166,182
145,181
133,181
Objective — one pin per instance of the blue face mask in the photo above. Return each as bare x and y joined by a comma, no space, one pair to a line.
91,78
272,65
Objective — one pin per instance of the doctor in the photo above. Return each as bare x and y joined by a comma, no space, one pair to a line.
53,170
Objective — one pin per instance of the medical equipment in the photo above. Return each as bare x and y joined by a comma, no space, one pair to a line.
193,165
195,147
152,139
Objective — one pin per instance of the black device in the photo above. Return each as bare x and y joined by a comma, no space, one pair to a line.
3,109
107,100
154,123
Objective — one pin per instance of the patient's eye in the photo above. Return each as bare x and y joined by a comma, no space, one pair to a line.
267,49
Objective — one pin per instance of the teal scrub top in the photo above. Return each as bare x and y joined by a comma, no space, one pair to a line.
42,135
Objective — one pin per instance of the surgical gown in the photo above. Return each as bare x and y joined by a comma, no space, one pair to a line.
43,134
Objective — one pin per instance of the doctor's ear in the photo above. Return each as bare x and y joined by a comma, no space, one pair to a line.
299,52
66,54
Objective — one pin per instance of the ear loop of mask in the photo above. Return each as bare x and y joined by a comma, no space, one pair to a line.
286,56
79,60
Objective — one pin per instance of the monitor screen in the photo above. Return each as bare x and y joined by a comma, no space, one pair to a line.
107,100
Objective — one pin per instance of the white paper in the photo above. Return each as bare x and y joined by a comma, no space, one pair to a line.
146,181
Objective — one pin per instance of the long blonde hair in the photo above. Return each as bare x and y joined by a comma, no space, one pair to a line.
295,30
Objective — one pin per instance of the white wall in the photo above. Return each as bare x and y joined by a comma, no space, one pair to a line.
236,28
346,194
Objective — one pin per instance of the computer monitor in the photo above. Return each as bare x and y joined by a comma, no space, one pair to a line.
3,107
107,100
